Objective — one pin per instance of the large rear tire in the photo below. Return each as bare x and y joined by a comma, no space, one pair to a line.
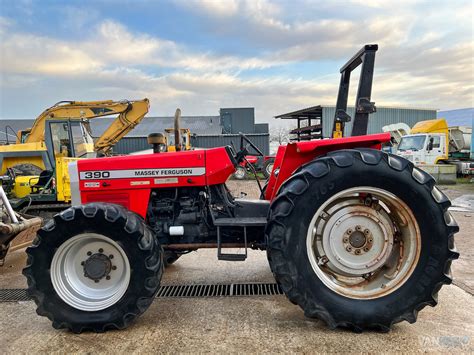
361,239
94,267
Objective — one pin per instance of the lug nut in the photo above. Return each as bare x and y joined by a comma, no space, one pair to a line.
82,263
111,256
114,267
366,249
89,253
357,251
366,232
358,228
349,249
96,281
101,250
371,240
107,277
349,231
345,240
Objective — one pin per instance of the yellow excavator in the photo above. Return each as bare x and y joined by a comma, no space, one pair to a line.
34,171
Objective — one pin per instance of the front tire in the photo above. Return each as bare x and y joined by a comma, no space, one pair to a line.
268,168
240,173
361,239
94,267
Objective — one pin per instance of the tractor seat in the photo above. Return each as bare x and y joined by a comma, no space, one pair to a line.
43,181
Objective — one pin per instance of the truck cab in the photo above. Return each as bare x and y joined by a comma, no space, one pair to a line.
423,148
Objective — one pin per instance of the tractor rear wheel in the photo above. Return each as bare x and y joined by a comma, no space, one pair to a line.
94,267
361,239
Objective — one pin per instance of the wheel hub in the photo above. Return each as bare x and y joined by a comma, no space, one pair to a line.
97,266
90,272
363,242
361,247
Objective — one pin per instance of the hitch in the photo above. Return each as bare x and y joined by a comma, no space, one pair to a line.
17,224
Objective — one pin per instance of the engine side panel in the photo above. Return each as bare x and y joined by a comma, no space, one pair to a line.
129,180
292,156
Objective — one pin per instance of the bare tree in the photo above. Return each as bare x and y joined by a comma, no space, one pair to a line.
279,135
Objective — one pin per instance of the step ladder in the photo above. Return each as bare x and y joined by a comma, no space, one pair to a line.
242,222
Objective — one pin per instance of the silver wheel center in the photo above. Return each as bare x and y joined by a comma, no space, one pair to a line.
347,247
363,242
90,272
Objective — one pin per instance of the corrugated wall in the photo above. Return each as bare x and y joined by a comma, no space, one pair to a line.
262,141
133,144
383,117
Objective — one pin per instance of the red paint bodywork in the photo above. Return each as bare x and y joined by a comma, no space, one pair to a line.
292,156
134,192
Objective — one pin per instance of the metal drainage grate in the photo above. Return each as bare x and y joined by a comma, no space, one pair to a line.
167,291
14,295
228,290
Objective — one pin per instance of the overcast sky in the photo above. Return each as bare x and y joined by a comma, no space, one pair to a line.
276,56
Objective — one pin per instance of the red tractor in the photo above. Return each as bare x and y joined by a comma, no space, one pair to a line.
356,237
255,164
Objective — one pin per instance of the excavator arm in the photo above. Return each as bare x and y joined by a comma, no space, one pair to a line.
124,123
130,113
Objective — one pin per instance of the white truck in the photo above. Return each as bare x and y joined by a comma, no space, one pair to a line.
433,142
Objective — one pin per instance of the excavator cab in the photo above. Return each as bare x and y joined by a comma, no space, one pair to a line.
66,140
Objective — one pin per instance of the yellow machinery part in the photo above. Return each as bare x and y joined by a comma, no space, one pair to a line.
22,156
431,126
338,132
63,186
22,185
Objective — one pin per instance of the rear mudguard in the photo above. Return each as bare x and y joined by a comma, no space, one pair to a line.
291,156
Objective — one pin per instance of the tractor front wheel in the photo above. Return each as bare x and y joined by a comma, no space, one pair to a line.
361,239
268,168
94,267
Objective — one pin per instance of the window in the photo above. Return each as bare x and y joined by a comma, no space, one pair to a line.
436,141
60,138
412,143
80,139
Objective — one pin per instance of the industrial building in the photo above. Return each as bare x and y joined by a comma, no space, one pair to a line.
317,121
207,131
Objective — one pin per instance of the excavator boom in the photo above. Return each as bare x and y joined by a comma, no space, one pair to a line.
130,113
124,123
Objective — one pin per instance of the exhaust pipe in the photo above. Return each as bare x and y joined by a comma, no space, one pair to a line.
177,133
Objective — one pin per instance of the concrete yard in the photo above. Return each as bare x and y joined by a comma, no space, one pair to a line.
247,324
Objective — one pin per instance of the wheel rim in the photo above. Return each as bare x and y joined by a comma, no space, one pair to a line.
363,242
90,272
269,169
239,173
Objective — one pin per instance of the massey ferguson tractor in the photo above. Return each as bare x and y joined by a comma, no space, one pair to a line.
356,237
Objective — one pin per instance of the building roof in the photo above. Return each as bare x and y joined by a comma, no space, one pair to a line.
310,112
